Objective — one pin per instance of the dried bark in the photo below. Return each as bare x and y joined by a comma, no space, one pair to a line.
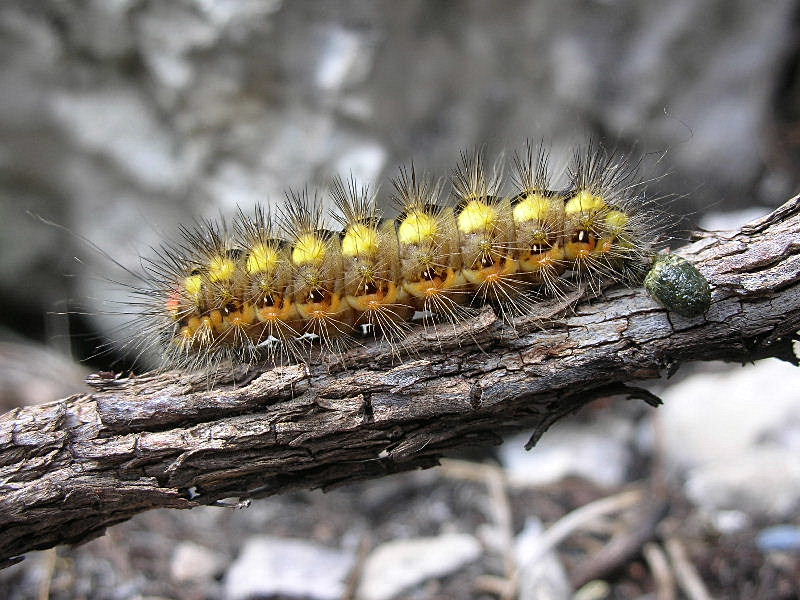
71,468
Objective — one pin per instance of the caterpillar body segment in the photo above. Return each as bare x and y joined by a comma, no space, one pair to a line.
602,232
267,279
373,286
487,237
206,299
428,249
268,288
318,277
538,214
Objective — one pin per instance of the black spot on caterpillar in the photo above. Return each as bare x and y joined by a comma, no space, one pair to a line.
276,287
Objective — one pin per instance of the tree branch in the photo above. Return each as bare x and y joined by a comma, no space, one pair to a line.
71,468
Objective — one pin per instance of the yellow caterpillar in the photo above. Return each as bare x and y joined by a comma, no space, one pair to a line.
273,287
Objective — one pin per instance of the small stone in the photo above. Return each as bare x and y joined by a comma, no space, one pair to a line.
598,451
193,562
399,565
288,568
765,482
780,538
730,521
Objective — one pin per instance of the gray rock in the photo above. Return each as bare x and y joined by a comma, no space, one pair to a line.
762,482
32,374
730,521
399,565
192,562
120,124
598,451
725,221
272,566
735,436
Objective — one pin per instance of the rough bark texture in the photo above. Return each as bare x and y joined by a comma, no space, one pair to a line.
71,468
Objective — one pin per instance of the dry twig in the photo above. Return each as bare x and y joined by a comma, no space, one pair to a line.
688,577
662,573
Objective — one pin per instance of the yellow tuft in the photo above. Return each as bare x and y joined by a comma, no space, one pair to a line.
193,286
476,215
584,201
417,227
359,240
532,207
310,248
262,258
221,268
617,219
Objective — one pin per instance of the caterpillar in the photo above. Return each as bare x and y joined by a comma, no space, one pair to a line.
278,285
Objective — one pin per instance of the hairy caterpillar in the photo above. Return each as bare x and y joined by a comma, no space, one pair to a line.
273,287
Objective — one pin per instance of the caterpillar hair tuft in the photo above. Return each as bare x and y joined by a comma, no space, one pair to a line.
280,286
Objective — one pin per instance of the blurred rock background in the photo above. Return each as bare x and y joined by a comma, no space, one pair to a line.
120,119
